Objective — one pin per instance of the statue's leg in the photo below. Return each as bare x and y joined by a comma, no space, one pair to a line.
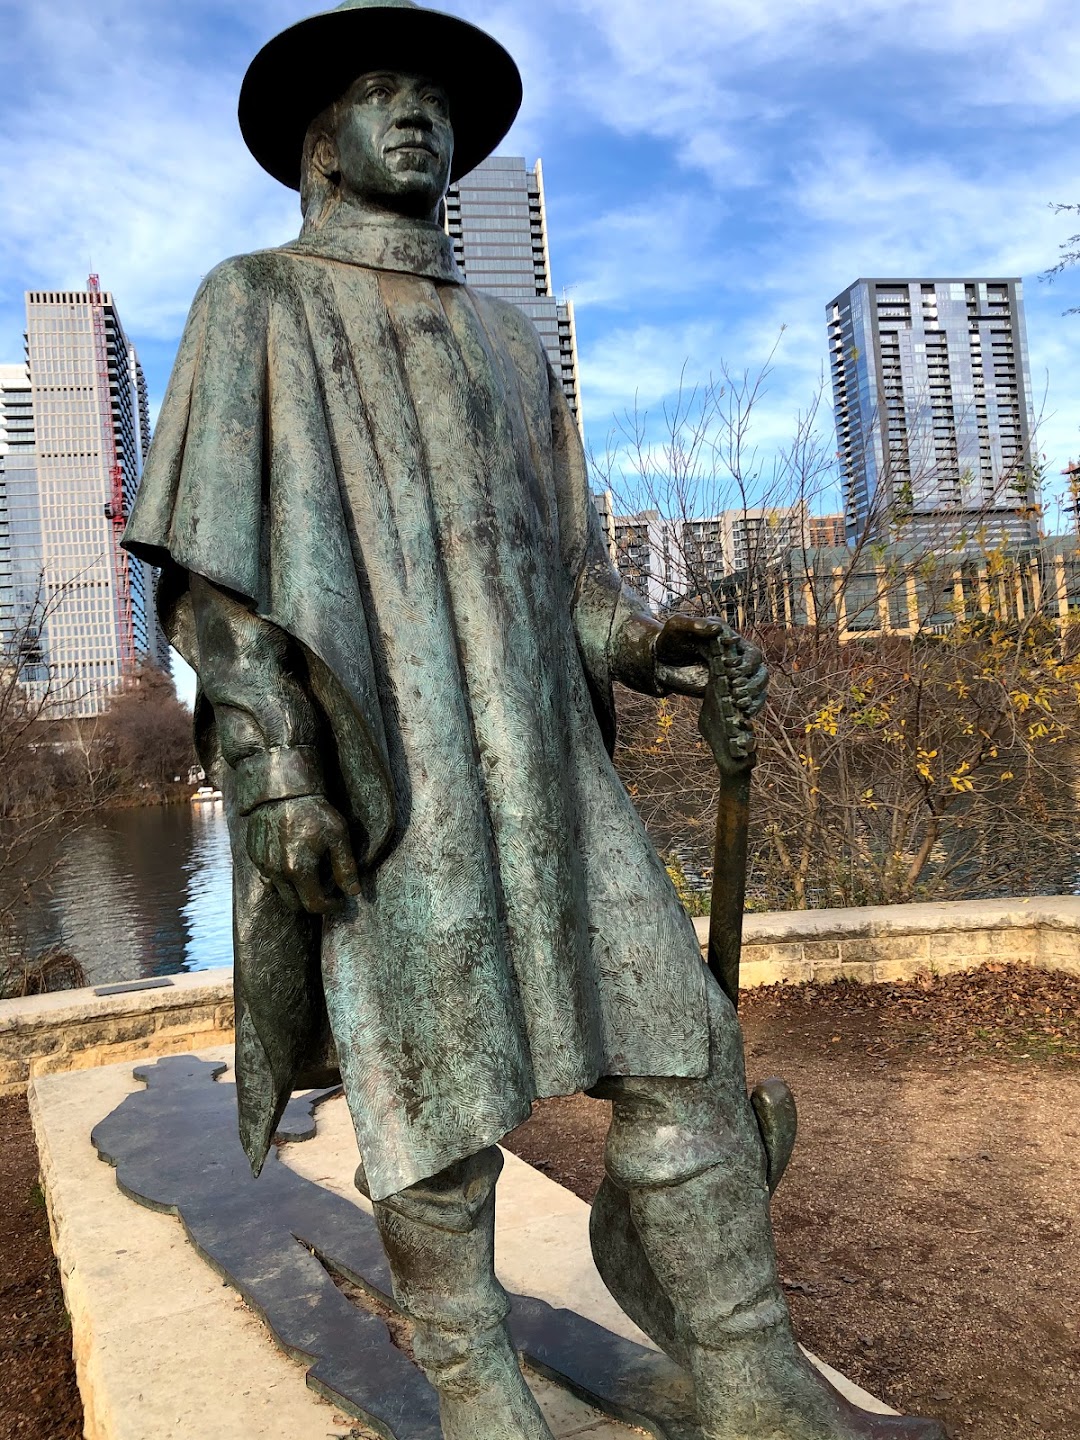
682,1230
439,1238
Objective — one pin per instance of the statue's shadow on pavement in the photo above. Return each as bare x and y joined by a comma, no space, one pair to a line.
280,1241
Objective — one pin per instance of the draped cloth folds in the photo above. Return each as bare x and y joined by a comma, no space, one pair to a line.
377,460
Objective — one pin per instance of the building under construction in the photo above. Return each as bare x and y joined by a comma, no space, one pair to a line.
76,611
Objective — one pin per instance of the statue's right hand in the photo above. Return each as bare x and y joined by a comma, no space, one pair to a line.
302,847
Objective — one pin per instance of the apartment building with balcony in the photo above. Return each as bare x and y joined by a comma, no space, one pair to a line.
932,401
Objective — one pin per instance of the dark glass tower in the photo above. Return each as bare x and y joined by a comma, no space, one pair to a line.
932,397
496,219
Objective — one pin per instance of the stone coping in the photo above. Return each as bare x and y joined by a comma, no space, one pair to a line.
184,1359
1055,912
77,1030
897,943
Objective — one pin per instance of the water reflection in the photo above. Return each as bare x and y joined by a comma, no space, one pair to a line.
147,892
139,893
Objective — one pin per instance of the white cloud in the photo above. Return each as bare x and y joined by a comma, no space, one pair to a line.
788,146
658,246
123,155
640,366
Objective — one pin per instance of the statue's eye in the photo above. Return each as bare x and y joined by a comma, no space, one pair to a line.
377,92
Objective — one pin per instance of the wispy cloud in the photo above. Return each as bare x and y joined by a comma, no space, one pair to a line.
122,153
714,172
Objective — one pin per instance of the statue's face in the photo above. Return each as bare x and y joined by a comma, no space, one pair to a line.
394,142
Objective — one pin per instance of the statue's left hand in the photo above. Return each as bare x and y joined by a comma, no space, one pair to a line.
301,846
684,648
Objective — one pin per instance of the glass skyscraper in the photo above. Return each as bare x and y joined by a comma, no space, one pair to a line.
497,221
74,425
931,392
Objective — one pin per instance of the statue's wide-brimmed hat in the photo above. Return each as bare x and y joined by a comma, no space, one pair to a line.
307,67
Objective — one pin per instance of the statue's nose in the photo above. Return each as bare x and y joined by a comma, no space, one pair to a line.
412,115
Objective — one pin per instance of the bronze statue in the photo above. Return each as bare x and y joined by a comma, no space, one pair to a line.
369,503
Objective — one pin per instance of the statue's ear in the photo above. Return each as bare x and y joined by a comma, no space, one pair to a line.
324,158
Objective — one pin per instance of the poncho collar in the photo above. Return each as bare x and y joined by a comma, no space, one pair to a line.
413,247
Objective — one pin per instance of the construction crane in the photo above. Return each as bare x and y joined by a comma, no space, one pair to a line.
115,506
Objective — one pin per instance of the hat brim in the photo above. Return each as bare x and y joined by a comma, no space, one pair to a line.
307,67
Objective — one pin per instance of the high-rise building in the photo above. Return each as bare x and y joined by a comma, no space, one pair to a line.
76,426
825,531
933,411
701,556
755,537
496,218
20,525
670,561
705,549
643,554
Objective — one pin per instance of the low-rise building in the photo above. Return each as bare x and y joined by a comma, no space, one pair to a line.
904,590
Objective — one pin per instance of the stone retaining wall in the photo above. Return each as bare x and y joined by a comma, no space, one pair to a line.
77,1030
885,943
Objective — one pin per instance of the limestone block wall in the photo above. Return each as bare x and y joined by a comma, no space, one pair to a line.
879,944
76,1030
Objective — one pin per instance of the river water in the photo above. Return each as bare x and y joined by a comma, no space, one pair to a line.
147,892
138,893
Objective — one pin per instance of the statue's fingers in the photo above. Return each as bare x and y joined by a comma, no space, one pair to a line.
703,626
754,705
344,866
750,658
754,685
685,639
310,888
287,894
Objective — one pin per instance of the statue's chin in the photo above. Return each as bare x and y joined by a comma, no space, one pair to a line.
412,191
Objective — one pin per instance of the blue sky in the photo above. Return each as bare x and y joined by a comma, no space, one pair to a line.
715,170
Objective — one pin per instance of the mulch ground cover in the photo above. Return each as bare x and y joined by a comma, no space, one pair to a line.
928,1226
38,1396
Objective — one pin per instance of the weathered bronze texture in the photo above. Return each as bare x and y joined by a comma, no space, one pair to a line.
730,736
370,506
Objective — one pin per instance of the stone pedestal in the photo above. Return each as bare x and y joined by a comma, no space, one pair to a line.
166,1350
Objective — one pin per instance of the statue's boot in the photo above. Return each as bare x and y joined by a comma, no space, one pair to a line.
682,1237
439,1238
724,1318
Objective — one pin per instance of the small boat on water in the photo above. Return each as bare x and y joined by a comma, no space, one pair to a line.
206,795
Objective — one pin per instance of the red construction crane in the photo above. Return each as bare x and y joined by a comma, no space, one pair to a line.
115,508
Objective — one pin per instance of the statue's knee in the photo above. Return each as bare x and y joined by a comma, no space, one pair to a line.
451,1200
664,1132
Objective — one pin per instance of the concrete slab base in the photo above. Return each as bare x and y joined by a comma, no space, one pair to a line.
165,1350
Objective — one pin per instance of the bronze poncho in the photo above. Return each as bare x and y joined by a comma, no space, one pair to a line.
377,460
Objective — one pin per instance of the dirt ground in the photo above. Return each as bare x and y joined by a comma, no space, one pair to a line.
928,1226
38,1398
